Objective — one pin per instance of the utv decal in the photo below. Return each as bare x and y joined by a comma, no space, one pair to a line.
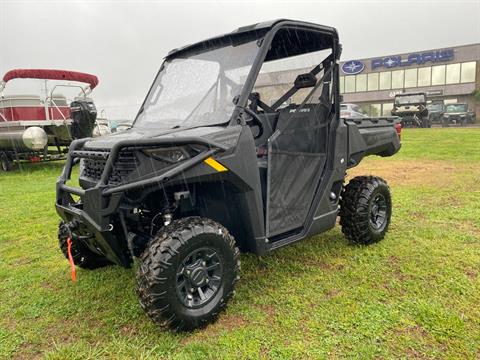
215,164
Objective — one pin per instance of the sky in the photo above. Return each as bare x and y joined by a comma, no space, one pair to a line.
124,42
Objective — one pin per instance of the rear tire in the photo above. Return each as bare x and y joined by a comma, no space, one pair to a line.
187,273
82,255
365,209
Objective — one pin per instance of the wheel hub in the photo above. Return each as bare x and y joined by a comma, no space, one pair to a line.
378,212
199,277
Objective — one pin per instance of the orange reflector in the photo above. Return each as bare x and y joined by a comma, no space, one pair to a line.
215,164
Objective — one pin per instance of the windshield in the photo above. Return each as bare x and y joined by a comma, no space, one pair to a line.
453,108
198,89
410,99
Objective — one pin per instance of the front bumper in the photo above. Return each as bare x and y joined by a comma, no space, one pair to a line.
108,239
100,208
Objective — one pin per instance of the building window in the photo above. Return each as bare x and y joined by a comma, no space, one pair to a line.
350,84
342,84
453,74
387,109
424,76
397,79
410,78
385,80
372,110
372,81
468,72
438,75
376,109
361,82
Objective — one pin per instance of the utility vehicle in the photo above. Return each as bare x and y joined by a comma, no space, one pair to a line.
412,109
435,111
234,149
457,114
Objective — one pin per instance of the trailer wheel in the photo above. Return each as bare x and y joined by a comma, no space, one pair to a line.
187,273
82,256
365,209
5,162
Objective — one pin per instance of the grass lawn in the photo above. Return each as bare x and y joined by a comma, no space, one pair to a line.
416,294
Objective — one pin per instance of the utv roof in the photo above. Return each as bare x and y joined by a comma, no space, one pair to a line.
246,33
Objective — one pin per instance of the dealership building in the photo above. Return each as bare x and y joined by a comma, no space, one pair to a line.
449,74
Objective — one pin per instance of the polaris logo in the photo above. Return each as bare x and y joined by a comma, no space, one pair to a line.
416,58
303,110
353,67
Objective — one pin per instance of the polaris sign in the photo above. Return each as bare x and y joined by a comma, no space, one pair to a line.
353,67
416,58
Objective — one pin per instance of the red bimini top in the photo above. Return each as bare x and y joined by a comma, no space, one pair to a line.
92,80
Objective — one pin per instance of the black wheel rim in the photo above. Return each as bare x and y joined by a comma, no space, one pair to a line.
378,212
199,277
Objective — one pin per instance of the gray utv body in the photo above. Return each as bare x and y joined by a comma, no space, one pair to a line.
268,191
412,109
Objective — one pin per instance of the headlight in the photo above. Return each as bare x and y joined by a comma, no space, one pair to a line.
171,155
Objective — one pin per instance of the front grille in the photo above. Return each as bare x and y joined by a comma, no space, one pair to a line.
126,162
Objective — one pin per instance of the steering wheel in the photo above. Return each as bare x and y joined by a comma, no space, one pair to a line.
254,122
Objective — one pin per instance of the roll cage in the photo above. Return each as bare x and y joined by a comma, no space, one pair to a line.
265,34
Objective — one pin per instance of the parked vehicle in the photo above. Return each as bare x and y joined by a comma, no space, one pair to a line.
457,114
435,111
209,169
29,123
351,111
412,109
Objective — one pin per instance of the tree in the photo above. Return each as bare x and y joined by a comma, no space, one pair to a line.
476,95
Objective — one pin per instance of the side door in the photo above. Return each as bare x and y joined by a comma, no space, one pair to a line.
297,154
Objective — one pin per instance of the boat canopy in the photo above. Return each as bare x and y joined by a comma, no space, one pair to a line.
92,80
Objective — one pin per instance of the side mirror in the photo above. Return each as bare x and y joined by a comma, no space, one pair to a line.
341,98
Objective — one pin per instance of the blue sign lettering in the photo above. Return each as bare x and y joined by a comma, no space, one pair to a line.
415,58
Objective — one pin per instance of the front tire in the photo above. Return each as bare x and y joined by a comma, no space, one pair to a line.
187,273
365,209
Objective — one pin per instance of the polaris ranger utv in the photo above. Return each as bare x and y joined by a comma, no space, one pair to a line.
228,153
457,114
412,109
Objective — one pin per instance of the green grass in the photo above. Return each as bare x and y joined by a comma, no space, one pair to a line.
416,294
